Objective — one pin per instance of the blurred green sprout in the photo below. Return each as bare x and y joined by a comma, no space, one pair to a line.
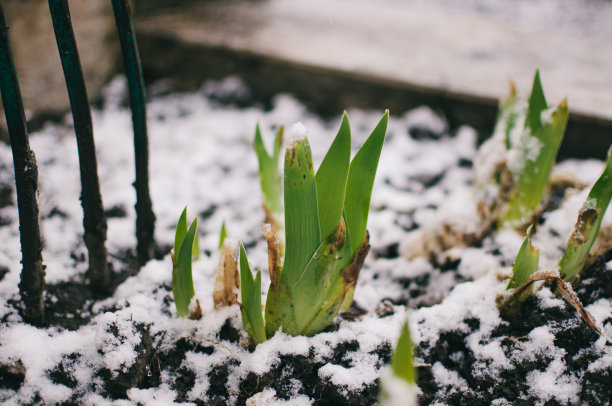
186,249
399,382
525,269
270,177
325,235
533,134
588,224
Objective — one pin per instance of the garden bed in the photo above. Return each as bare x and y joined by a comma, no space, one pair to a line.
132,347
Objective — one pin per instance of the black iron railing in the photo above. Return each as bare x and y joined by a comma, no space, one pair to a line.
26,172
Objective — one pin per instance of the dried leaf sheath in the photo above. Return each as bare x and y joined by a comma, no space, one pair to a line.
564,288
588,224
227,282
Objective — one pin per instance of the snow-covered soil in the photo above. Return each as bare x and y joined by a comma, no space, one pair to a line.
132,349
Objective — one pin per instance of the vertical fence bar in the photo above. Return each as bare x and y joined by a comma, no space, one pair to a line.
145,218
94,220
32,282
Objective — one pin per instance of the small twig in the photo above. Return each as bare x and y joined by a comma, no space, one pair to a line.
564,288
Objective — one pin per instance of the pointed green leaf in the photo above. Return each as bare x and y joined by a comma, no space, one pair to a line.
537,104
302,233
269,176
588,224
222,234
509,110
360,182
196,248
277,147
250,290
181,230
331,179
526,262
182,283
531,157
402,362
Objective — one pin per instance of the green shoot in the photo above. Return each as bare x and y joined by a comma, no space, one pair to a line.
587,226
533,136
269,176
325,235
181,231
182,280
398,383
525,265
222,234
252,318
526,262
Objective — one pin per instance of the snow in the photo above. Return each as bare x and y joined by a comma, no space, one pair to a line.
552,383
396,391
201,156
447,378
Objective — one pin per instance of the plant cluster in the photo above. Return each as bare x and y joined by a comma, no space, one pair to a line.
317,239
525,270
325,217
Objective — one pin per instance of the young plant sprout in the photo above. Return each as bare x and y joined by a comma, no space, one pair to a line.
588,224
399,382
325,233
270,178
525,270
222,234
511,173
533,134
185,251
526,263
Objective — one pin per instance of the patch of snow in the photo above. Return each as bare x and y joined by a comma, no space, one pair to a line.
444,377
554,383
297,132
267,397
395,391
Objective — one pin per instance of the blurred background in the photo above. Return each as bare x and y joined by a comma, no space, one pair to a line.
454,56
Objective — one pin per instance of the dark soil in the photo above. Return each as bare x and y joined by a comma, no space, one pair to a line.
571,333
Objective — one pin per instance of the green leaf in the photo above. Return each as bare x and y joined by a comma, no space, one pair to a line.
196,248
402,362
331,179
181,230
280,311
269,176
588,224
250,290
526,262
312,291
537,104
302,231
531,157
182,281
222,234
359,185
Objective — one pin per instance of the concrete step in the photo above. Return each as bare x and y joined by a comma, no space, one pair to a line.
393,54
